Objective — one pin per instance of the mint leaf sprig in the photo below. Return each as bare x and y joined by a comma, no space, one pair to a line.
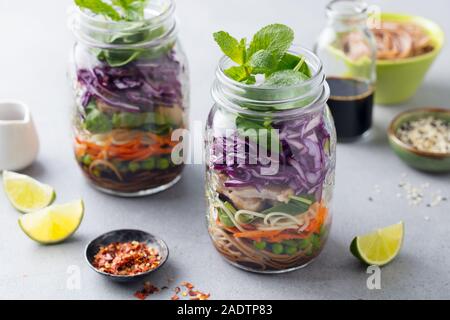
266,55
133,13
116,10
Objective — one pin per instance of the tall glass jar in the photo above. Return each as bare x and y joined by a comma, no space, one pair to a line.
131,86
348,51
270,170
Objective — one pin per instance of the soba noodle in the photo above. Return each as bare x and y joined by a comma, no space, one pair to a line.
242,251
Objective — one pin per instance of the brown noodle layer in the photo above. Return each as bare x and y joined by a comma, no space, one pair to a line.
139,181
243,253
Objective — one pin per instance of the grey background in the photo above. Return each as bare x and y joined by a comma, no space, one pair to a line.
33,61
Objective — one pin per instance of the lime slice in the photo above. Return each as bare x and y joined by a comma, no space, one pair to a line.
53,224
379,247
25,193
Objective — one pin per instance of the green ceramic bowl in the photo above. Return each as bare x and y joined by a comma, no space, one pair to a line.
398,80
426,161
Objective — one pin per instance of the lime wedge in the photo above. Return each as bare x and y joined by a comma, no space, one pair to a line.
379,247
25,193
53,224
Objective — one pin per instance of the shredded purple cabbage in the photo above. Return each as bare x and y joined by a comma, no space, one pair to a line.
137,87
303,162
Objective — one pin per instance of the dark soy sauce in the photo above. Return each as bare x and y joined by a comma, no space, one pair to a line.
351,104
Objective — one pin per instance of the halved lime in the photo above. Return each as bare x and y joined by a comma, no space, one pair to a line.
53,224
379,247
25,193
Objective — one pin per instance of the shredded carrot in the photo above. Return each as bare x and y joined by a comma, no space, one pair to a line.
134,150
287,236
257,234
318,220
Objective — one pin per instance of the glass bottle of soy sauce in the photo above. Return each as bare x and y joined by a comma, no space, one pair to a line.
348,51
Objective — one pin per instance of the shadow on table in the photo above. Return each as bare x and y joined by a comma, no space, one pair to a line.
36,170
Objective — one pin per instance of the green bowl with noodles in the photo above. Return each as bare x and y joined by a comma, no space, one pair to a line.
399,79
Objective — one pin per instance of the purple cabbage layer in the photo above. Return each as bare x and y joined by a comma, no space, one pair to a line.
303,163
137,87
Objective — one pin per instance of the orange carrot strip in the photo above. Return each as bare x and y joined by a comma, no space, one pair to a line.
287,236
257,234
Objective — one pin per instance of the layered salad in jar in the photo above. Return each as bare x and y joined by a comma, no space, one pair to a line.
261,219
131,89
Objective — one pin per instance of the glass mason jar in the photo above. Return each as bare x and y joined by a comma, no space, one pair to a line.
348,51
131,86
270,164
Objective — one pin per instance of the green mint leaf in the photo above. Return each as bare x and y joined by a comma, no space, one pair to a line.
99,7
133,9
290,61
299,64
237,73
306,70
263,61
231,47
250,80
275,38
285,78
119,58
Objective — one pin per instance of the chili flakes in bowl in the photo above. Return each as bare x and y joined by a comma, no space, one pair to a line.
127,258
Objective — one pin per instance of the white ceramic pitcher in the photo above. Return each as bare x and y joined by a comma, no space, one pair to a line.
19,143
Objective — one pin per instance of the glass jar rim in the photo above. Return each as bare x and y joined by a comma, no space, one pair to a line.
82,23
226,89
347,9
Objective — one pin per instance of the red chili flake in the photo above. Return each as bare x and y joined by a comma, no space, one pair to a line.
187,285
140,295
198,295
128,258
148,289
192,294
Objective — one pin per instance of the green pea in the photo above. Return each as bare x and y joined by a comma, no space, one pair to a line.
163,164
290,243
302,244
290,250
260,245
87,160
315,241
134,166
277,248
149,164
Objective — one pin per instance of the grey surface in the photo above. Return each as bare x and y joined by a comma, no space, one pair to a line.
33,61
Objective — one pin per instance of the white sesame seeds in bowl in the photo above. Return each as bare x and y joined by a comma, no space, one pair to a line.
421,138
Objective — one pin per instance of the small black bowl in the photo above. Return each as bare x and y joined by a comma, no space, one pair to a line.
126,236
